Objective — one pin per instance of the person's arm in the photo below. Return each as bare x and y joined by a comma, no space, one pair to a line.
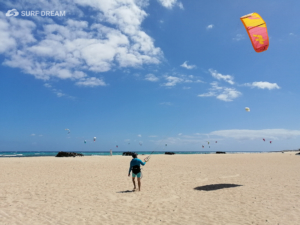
142,163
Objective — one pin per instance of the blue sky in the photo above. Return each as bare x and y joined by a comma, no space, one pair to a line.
148,73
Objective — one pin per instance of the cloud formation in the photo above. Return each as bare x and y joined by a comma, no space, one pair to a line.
209,27
185,65
169,4
257,134
151,77
263,85
219,76
222,93
71,47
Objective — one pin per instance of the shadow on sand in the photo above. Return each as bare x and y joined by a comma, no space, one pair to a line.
128,191
214,187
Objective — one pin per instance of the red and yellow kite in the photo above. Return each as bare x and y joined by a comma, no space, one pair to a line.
257,31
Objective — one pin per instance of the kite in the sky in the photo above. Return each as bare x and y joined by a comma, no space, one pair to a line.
216,142
84,142
257,31
94,139
202,146
247,109
264,139
68,131
270,142
117,146
165,144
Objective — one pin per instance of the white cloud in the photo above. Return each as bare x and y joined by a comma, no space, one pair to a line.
257,134
58,93
90,82
67,49
201,138
228,94
239,37
219,76
47,85
263,85
185,65
221,93
151,77
209,94
169,4
32,134
172,81
210,27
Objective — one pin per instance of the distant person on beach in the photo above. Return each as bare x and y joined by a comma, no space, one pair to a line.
110,152
136,170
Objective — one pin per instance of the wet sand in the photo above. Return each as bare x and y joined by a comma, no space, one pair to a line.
258,188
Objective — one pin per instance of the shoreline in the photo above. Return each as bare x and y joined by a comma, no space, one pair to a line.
90,154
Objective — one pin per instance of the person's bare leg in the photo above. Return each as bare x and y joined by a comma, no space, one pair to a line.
139,183
133,181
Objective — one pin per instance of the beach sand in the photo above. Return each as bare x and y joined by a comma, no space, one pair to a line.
258,188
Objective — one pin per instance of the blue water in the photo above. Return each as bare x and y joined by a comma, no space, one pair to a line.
41,153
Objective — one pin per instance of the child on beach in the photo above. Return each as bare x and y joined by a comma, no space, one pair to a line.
136,170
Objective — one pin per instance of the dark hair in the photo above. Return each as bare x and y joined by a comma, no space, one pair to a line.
134,155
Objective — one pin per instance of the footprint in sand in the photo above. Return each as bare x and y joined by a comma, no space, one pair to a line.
230,176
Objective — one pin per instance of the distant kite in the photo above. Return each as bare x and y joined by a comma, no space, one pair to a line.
264,139
117,146
257,31
84,142
94,139
270,142
247,109
202,146
68,131
166,145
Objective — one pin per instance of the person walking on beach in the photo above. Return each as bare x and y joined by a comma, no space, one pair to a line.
136,170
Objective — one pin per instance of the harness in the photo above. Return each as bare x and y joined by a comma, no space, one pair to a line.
136,169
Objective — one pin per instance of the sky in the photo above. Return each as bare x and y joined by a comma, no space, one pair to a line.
147,75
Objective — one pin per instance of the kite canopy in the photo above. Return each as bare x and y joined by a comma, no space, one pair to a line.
257,31
247,109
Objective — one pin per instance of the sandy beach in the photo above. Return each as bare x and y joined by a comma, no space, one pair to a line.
258,188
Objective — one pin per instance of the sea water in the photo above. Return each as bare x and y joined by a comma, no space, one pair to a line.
100,153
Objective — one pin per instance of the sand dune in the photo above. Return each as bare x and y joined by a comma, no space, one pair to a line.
180,189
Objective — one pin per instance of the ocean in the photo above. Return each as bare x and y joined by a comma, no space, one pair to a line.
106,153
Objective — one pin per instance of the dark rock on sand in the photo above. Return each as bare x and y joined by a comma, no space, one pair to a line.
128,153
169,153
220,152
68,154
